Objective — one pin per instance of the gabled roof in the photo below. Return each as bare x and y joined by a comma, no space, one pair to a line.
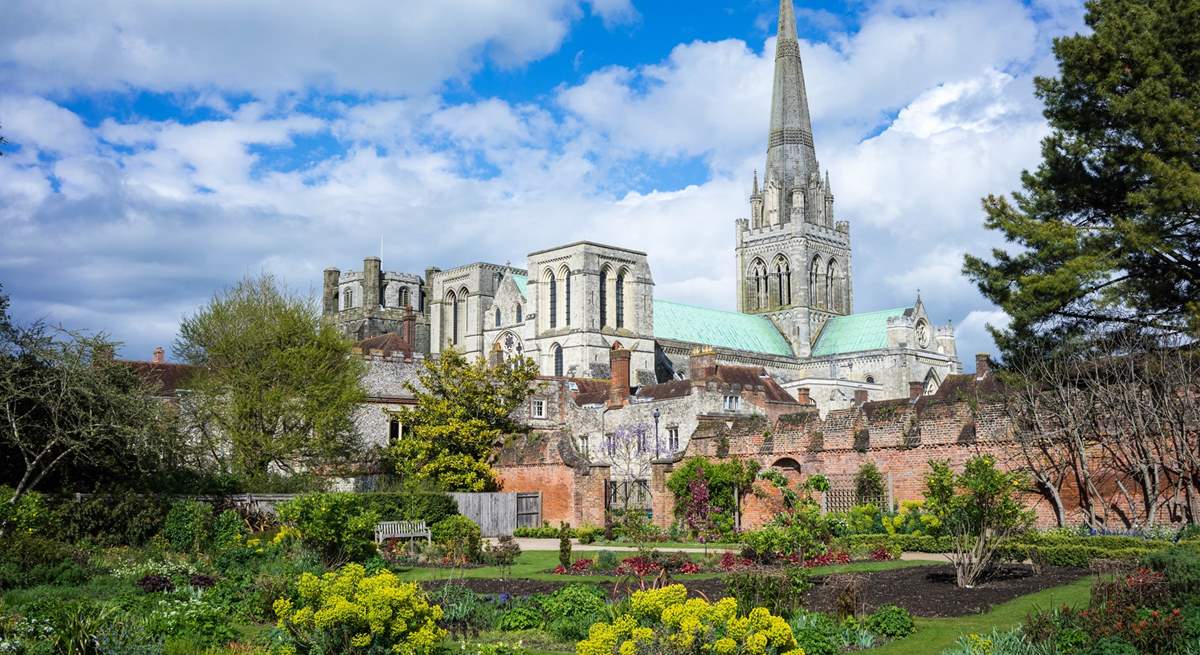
716,327
856,332
168,378
388,342
521,281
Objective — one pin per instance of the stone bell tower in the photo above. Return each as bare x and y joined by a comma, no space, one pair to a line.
793,258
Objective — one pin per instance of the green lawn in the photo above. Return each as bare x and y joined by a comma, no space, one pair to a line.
934,635
538,564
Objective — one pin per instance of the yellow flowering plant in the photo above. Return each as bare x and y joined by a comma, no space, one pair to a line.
348,611
666,621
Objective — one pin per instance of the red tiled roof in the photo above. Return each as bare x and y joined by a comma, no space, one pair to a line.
389,343
665,390
167,377
753,376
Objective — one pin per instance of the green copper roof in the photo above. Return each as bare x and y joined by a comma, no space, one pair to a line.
847,334
521,281
715,327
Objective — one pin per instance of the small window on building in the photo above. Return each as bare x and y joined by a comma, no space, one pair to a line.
349,296
870,379
733,403
673,439
610,444
583,445
641,441
519,317
395,430
537,408
497,317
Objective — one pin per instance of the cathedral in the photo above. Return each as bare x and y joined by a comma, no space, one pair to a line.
573,305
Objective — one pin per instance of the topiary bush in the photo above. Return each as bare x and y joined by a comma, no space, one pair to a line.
347,611
187,526
460,537
891,621
338,527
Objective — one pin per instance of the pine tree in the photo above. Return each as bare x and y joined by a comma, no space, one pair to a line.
1106,228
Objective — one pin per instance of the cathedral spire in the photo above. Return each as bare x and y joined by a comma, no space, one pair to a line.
790,154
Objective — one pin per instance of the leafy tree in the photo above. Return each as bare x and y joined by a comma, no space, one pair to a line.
868,484
462,411
727,484
64,401
274,384
1106,228
978,508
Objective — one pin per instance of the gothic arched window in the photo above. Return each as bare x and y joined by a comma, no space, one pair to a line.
831,295
558,360
784,274
604,296
497,317
553,299
519,317
815,295
452,325
402,299
759,270
567,297
620,298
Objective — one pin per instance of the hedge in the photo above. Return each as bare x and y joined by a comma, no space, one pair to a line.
428,506
917,543
1056,551
585,534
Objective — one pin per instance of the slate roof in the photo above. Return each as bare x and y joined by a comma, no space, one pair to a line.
856,332
717,327
521,281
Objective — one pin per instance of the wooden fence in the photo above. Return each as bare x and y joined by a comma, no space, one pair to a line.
499,513
842,496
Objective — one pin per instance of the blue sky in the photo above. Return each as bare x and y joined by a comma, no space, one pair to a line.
160,151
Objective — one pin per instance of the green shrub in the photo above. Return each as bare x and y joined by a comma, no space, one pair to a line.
463,610
522,617
1181,566
460,537
119,519
187,526
30,560
816,633
606,560
804,537
780,592
228,530
1112,646
891,621
28,515
570,611
360,613
868,484
336,526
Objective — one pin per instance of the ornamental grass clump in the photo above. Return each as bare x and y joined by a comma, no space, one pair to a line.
347,611
666,621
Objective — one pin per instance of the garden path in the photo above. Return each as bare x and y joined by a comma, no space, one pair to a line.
529,543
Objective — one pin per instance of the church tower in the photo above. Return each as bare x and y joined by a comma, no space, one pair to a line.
793,258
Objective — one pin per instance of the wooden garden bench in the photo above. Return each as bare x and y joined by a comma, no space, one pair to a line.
402,530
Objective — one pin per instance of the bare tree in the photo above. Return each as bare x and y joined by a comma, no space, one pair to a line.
1117,423
63,399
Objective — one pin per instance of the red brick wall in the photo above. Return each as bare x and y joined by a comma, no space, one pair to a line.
555,481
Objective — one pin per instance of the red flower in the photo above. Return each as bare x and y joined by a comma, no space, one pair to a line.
689,567
560,569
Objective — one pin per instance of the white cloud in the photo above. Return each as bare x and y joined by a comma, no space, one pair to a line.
271,46
141,220
972,334
614,12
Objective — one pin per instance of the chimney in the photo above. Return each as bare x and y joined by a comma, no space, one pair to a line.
618,386
329,297
983,366
702,363
407,332
915,389
802,396
860,397
371,284
159,355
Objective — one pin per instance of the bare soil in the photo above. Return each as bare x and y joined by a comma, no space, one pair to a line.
922,590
